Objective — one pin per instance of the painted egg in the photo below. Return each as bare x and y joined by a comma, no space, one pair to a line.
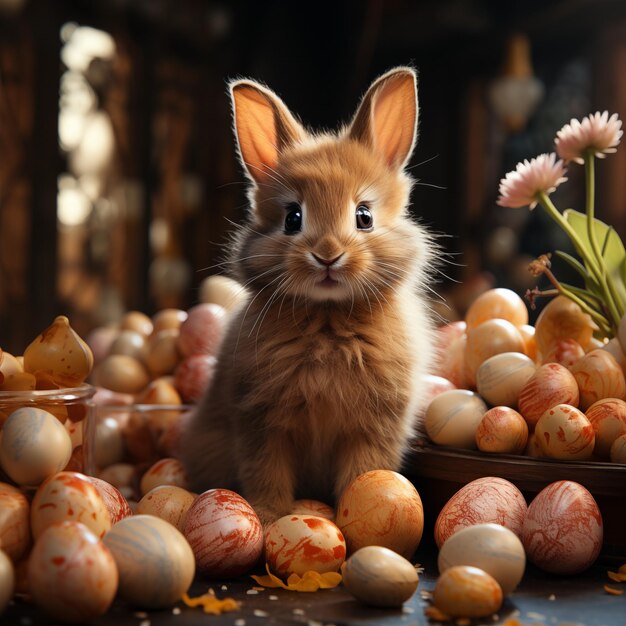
485,500
378,576
617,453
7,580
313,507
598,376
202,331
452,418
565,352
432,387
562,318
164,472
502,430
533,448
222,290
563,432
69,496
122,373
381,508
109,446
168,319
137,321
34,445
550,385
154,560
295,544
224,533
488,339
14,522
500,378
115,502
490,547
168,502
464,591
193,376
497,303
72,575
563,529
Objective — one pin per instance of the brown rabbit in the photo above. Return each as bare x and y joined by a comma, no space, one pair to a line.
319,375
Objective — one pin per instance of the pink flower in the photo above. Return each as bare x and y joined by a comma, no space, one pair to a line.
597,133
523,186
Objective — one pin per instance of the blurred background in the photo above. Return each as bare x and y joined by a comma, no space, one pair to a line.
118,177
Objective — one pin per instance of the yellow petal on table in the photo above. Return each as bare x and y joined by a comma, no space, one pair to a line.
308,582
613,591
211,604
330,580
616,577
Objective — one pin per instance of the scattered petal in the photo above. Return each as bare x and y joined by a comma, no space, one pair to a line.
612,591
308,582
598,134
616,577
211,604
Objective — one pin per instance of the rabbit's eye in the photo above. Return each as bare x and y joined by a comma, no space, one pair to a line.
364,218
293,219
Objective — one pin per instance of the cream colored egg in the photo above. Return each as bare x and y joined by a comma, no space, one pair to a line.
618,450
109,445
453,417
378,576
69,496
164,472
563,432
500,378
34,445
137,321
168,319
497,303
295,544
162,354
7,580
154,560
168,502
131,343
122,373
490,547
223,291
14,522
464,591
71,573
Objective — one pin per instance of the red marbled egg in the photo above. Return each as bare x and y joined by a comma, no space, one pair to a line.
485,500
193,376
202,331
224,533
295,544
115,502
563,529
598,376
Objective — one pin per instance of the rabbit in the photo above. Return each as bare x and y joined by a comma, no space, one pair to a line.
320,374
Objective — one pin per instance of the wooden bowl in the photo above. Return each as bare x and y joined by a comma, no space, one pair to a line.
439,472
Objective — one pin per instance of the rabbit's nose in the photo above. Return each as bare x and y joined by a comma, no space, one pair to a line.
326,262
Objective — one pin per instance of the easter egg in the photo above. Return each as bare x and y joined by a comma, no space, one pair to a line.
618,450
168,502
115,502
490,547
34,445
164,472
563,529
313,507
14,522
381,508
155,563
378,576
138,322
109,446
130,343
497,303
563,432
565,352
501,377
550,385
202,331
502,430
485,500
222,290
72,575
598,376
7,580
224,533
295,544
162,353
464,591
119,475
69,496
432,387
452,418
122,373
562,318
193,376
167,319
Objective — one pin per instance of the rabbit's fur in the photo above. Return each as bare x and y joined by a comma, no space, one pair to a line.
317,384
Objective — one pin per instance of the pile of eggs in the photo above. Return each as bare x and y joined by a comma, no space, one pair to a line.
505,387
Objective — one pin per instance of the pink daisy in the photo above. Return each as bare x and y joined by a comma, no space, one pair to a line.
522,187
597,133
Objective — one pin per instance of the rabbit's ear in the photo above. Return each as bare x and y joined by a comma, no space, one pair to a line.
264,127
386,119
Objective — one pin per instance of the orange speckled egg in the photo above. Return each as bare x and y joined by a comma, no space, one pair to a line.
550,385
155,562
72,575
598,376
164,472
485,500
497,303
224,533
500,378
565,352
489,338
502,430
313,507
14,522
381,508
295,544
563,529
464,591
168,502
69,496
563,432
608,419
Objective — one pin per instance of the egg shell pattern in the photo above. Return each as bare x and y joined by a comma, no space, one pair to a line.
69,496
14,522
299,543
154,560
598,376
485,500
224,533
608,419
313,507
168,502
563,529
72,575
115,502
381,508
563,432
164,472
502,430
500,378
